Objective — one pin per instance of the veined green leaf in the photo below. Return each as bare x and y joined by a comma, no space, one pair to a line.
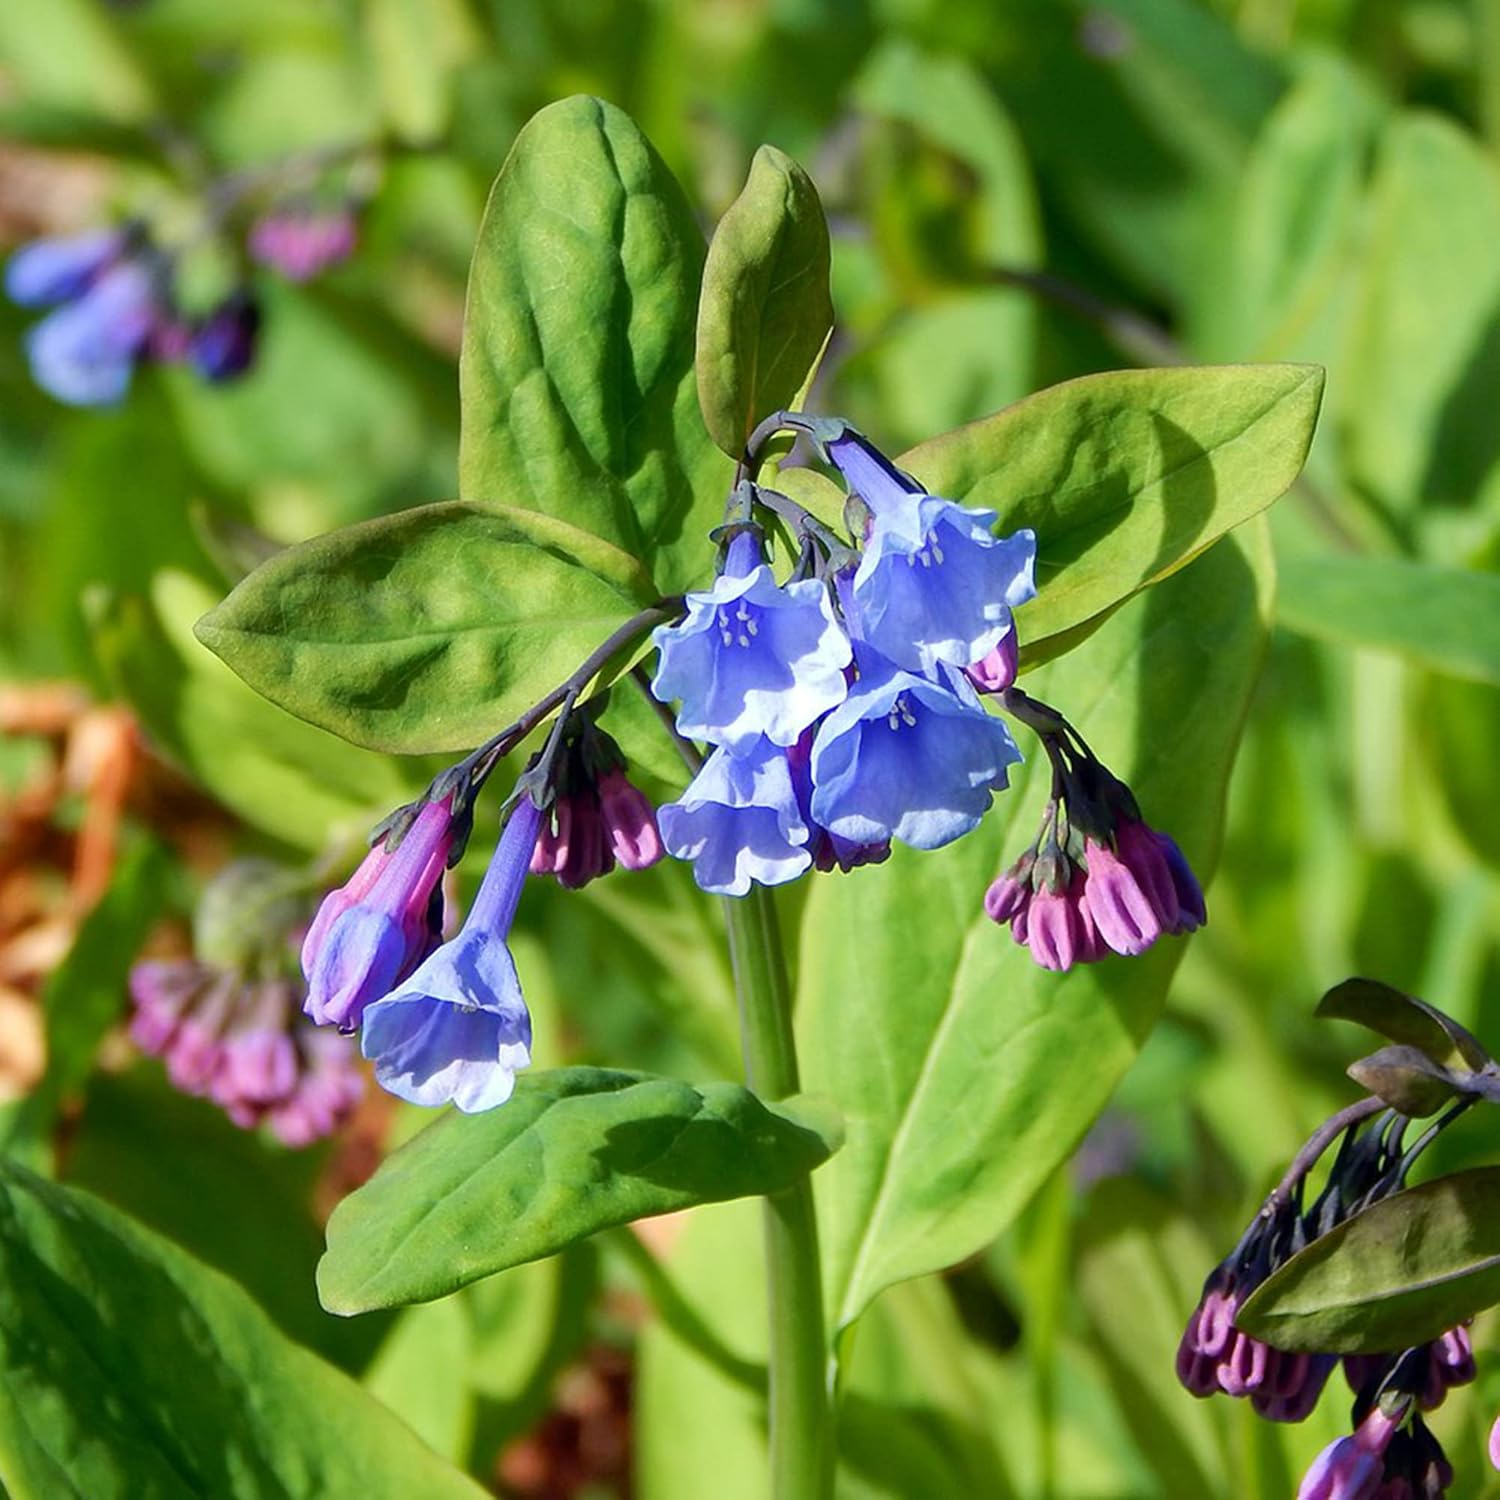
1126,476
427,630
574,1151
576,376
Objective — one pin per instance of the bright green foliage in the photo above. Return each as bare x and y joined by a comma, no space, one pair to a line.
1444,619
202,1396
1125,477
577,382
576,1150
427,630
964,1072
1398,1274
765,312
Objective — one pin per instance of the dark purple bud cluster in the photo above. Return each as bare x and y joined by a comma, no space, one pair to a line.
1097,879
1391,1454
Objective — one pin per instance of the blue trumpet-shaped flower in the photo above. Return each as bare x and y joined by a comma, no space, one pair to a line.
739,821
61,268
934,584
907,757
85,352
458,1030
752,658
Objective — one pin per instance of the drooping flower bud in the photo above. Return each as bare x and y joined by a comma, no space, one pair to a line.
301,242
374,931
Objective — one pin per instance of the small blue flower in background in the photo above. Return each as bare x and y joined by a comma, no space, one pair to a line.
752,658
86,351
738,821
458,1030
907,757
934,584
62,268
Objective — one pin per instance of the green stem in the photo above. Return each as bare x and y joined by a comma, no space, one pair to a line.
800,1417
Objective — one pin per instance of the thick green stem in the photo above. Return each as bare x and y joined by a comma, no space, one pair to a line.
800,1416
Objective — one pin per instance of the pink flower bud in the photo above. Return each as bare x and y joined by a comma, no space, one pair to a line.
630,821
997,671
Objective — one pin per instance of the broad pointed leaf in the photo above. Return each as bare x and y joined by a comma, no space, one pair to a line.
964,1072
129,1369
1398,1274
1126,476
576,375
574,1151
427,630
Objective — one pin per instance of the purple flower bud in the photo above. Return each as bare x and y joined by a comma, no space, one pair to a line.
458,1030
1192,913
1006,898
1059,930
370,934
1246,1367
223,345
1495,1444
1297,1386
61,268
997,671
1120,895
328,1087
630,820
300,243
1342,1471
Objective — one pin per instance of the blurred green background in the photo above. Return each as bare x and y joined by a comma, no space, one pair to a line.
1021,191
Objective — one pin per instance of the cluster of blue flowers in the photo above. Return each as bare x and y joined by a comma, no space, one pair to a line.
114,307
843,707
844,710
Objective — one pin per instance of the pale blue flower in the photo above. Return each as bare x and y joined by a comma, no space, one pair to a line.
60,268
739,821
752,658
907,757
458,1030
86,351
934,584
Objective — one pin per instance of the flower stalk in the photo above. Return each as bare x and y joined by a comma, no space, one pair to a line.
798,1397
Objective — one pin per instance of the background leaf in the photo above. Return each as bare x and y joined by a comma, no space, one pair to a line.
427,630
130,1369
576,1150
1400,1273
577,386
1126,476
965,1072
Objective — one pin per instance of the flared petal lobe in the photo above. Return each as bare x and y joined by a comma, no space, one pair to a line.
906,757
753,658
739,820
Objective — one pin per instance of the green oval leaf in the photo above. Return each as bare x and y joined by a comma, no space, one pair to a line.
127,1368
427,630
966,1074
1405,1019
1126,476
576,375
1398,1274
1445,619
575,1150
766,310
